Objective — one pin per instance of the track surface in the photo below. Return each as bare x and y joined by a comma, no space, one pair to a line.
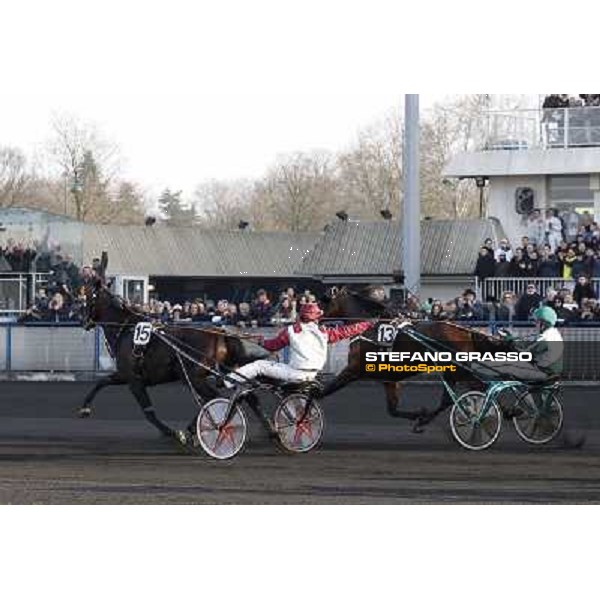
47,455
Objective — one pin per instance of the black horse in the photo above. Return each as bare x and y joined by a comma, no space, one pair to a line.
181,354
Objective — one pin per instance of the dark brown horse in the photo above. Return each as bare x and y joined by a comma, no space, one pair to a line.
347,304
160,362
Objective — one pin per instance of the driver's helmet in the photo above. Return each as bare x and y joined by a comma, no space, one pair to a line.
310,312
547,315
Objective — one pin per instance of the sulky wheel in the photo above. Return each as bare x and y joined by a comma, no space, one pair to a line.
475,422
539,417
221,438
299,429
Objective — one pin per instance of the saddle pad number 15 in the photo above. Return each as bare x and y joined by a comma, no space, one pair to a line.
386,334
142,334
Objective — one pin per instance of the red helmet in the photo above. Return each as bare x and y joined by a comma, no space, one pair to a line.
310,312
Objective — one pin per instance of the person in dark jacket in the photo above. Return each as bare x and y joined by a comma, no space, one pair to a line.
506,310
564,315
527,303
519,264
486,265
583,291
468,307
503,266
578,268
262,309
548,265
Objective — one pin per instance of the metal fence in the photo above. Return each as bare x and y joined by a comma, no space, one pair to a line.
522,129
67,348
17,291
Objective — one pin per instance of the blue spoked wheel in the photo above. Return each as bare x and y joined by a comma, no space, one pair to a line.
475,423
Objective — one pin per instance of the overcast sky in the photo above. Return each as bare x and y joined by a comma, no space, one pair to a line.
182,140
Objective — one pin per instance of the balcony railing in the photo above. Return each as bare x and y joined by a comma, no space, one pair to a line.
17,291
541,128
496,286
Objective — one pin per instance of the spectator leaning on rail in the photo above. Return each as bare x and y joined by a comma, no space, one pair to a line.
469,309
583,290
307,341
506,310
527,303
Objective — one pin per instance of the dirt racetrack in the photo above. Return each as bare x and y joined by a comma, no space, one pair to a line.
47,455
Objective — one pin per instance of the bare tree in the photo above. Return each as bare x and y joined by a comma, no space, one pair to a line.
14,177
223,204
370,173
87,162
300,190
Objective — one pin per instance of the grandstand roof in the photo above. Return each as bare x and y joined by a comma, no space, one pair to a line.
193,252
374,248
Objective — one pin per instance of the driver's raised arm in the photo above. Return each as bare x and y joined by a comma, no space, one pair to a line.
337,334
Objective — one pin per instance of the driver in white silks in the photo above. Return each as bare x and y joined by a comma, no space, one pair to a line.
547,351
307,341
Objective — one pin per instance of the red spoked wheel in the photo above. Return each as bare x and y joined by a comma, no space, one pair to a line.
221,437
299,428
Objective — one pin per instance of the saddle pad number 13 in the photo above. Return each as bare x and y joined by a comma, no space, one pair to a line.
142,334
386,334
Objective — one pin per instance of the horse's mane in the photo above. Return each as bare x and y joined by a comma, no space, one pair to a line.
364,299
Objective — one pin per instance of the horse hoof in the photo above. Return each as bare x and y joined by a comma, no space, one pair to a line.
181,437
85,413
419,425
573,440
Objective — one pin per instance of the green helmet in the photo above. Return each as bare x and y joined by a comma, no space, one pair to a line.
546,314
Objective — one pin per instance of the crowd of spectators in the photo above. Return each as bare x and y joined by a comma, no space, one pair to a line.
558,246
578,127
553,101
57,298
563,246
572,305
261,312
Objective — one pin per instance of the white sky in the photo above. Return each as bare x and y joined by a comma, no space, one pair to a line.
181,140
192,90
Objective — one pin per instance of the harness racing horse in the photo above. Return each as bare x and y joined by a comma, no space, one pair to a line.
161,362
346,304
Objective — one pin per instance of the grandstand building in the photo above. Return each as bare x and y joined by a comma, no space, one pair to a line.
535,159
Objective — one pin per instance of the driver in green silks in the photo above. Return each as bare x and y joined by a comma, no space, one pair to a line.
546,348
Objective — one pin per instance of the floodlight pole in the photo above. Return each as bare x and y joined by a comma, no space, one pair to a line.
411,222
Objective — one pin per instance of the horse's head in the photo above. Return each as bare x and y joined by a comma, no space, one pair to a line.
346,303
98,303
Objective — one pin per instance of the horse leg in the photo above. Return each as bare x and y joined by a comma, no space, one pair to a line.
344,378
205,391
393,399
255,406
445,403
138,389
86,407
